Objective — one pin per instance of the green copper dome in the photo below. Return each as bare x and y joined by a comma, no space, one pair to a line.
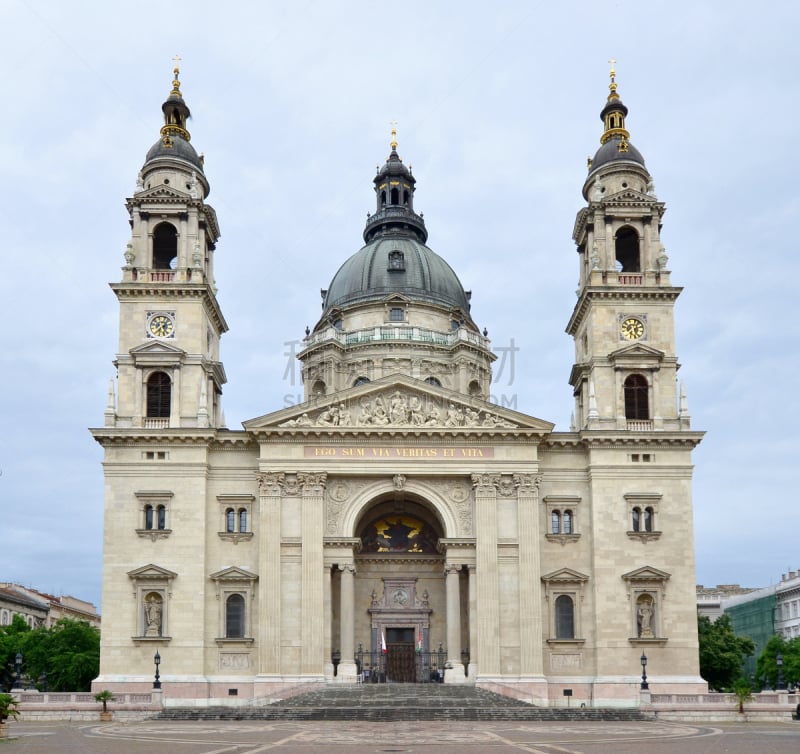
396,264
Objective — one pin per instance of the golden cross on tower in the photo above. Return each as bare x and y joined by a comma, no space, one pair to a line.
177,59
613,73
393,143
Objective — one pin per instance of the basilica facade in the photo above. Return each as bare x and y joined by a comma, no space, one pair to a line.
396,526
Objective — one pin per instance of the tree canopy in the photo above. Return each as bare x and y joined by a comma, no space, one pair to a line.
68,652
767,665
722,652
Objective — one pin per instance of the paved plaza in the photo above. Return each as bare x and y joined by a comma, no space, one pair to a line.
254,737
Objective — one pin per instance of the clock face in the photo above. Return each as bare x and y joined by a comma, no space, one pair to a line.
161,326
632,328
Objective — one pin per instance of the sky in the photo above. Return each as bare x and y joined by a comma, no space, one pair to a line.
497,106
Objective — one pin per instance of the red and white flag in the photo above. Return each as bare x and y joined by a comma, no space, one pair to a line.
383,642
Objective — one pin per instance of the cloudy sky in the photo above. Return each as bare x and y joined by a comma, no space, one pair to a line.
497,107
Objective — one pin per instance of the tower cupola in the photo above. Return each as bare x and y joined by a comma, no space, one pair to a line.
616,151
394,195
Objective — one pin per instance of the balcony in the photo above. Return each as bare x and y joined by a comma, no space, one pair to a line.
397,334
640,425
156,423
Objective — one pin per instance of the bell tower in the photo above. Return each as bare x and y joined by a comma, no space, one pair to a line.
169,373
625,370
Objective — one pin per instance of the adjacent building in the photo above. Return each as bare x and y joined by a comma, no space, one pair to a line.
396,522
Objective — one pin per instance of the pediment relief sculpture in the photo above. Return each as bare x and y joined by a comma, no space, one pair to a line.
400,408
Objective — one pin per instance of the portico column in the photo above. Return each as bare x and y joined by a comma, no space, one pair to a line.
452,571
347,665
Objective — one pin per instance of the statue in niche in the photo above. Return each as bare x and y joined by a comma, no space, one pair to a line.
152,615
644,615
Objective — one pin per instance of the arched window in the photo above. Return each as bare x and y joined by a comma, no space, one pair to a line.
565,617
161,512
148,516
648,519
383,198
165,247
636,397
626,247
318,389
159,394
234,617
242,519
395,196
636,516
567,525
433,381
230,520
361,381
405,197
474,388
555,522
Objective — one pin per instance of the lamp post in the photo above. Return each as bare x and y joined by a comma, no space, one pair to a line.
644,686
18,666
157,661
779,663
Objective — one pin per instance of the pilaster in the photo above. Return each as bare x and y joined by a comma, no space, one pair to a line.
530,587
313,487
487,587
269,584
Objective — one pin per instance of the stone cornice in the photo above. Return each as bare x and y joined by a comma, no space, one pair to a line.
615,294
387,435
137,290
131,437
569,441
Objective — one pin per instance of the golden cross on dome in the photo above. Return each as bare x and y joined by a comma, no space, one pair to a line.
177,59
393,143
613,73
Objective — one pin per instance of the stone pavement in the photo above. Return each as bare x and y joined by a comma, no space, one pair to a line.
257,737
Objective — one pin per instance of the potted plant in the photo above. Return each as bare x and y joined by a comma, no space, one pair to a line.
743,693
8,708
104,697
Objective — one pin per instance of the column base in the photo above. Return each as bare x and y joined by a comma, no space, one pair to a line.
346,673
456,675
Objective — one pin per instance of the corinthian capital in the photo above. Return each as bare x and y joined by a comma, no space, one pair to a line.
312,483
270,483
528,484
486,483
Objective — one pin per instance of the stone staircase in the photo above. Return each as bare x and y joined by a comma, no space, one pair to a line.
390,702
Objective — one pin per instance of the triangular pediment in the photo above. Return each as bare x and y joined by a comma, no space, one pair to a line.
397,401
630,196
637,351
159,347
565,574
646,573
234,574
151,572
162,192
157,353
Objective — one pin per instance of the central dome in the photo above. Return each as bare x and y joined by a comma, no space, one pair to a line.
400,265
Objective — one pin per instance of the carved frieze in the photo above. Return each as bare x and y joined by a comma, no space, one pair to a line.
400,408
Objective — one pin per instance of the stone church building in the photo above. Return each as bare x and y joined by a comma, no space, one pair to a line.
396,526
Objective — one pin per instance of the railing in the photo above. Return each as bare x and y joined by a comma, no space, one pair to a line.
429,666
628,279
162,276
151,423
397,333
640,425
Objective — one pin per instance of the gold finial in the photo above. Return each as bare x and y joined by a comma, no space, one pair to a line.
393,142
613,76
176,84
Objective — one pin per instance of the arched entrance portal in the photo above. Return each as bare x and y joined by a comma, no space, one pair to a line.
403,599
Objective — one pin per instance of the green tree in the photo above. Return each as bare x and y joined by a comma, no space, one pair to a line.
11,642
767,664
722,652
69,653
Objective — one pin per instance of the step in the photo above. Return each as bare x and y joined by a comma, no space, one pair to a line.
395,702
